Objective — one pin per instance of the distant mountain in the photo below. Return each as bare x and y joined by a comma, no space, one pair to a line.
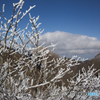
97,56
85,64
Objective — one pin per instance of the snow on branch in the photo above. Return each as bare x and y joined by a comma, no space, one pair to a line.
29,70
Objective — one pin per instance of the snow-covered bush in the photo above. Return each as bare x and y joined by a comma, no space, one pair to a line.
27,73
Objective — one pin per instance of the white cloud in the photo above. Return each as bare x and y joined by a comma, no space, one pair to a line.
69,44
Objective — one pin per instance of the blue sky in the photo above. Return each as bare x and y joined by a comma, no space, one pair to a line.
74,16
79,17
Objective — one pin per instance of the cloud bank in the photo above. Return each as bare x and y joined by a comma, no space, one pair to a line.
69,44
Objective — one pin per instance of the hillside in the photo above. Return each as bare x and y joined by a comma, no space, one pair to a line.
51,55
85,64
35,73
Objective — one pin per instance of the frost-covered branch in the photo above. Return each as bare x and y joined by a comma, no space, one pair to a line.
28,70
